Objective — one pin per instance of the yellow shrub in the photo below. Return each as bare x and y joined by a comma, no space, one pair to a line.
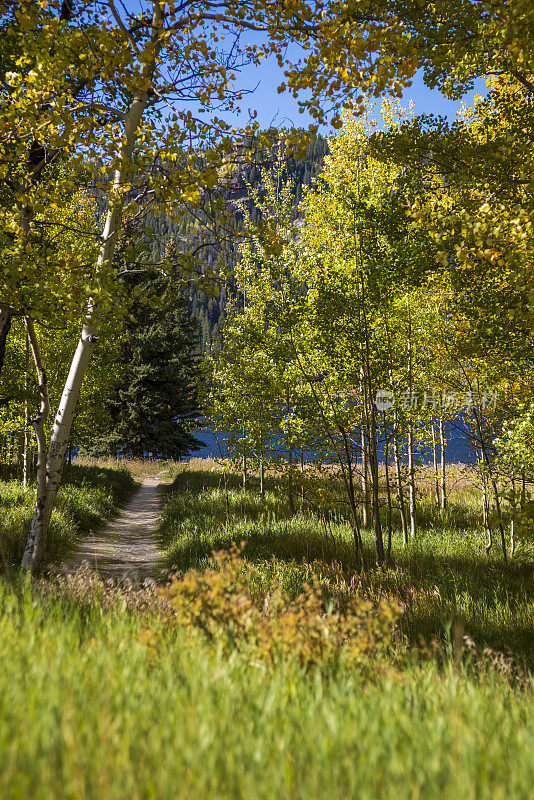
225,605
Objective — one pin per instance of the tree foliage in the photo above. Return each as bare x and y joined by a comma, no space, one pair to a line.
153,405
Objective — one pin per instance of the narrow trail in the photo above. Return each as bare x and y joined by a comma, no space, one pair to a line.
124,547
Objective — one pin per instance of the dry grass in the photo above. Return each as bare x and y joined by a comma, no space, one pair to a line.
139,468
204,465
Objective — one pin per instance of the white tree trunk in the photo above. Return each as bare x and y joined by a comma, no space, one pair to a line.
435,458
365,478
63,420
26,452
398,476
38,520
388,482
443,481
411,482
485,504
411,463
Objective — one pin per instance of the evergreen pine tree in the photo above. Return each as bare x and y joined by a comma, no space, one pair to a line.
155,406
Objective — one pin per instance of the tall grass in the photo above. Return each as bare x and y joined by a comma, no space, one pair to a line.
87,497
443,578
138,467
105,695
94,707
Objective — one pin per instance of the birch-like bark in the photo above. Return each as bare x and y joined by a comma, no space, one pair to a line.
35,540
435,459
443,481
365,475
375,487
89,335
411,464
290,486
302,477
262,469
398,476
358,541
372,431
245,464
365,484
411,482
388,482
396,448
5,326
290,481
485,504
365,449
493,484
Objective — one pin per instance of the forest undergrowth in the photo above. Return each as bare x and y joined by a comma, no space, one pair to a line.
91,493
276,657
443,579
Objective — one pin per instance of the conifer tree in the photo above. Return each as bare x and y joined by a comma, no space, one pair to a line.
155,407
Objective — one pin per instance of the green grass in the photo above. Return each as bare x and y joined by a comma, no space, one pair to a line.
443,578
105,695
92,709
88,496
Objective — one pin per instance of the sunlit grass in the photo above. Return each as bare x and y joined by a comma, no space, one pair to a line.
88,496
93,707
104,694
443,578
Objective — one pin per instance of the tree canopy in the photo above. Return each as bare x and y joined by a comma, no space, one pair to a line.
112,114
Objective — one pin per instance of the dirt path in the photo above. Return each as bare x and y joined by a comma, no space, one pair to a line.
124,547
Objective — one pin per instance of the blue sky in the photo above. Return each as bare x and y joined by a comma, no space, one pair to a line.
282,109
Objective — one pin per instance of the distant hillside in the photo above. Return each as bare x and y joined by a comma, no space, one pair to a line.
210,311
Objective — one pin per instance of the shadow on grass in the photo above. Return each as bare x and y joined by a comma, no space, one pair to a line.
444,577
200,480
493,602
286,540
457,516
87,497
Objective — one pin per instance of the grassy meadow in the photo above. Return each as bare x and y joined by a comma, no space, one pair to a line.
224,681
443,579
93,707
90,493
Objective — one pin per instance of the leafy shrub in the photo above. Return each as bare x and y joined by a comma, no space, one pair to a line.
226,604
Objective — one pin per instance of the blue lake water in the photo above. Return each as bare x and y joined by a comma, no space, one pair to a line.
458,448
